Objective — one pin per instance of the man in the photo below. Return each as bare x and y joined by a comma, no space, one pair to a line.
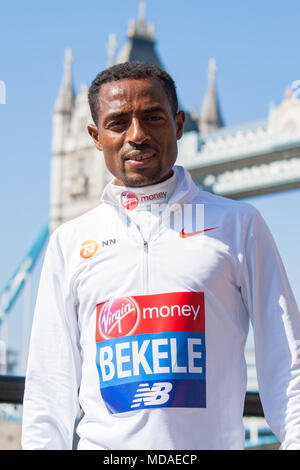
147,333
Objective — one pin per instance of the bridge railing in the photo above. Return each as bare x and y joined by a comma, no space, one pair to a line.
12,391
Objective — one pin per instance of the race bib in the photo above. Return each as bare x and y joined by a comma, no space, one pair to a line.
151,351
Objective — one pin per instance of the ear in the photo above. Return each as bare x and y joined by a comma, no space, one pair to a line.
93,131
179,118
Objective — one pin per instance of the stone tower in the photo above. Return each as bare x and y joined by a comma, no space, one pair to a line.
210,119
78,173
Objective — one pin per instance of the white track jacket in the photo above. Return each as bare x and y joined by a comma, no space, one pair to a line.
148,336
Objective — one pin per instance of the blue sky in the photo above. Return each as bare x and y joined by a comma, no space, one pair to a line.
256,47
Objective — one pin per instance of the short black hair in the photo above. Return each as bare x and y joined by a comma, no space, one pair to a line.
135,70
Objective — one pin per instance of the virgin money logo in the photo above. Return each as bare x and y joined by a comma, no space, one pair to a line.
153,197
129,200
118,317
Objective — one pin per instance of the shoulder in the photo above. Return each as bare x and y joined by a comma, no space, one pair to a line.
239,219
230,206
76,231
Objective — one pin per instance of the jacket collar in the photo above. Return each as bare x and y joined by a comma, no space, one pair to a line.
185,189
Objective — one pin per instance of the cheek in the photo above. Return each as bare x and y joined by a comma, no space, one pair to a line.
112,155
111,146
108,142
171,146
111,160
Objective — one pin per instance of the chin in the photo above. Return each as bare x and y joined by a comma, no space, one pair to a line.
141,180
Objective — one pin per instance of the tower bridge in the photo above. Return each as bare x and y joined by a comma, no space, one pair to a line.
239,161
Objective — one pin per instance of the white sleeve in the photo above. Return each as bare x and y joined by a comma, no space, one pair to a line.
53,373
276,325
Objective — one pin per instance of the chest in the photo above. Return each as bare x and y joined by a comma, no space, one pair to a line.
127,265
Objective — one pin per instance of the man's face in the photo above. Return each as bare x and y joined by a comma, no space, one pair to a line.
137,131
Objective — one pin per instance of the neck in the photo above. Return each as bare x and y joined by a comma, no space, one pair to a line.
141,198
118,182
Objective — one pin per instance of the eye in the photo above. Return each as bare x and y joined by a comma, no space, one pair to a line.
154,117
118,124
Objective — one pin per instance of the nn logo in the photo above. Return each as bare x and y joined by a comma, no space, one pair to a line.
158,394
112,241
88,249
2,92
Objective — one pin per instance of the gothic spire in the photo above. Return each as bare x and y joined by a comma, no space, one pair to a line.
66,95
140,44
211,118
111,49
140,28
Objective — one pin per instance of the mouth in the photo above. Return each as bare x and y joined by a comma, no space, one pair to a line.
140,158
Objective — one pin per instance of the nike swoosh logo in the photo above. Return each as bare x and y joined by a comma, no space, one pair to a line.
191,234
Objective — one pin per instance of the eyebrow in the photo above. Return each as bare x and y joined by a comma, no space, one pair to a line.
113,116
153,109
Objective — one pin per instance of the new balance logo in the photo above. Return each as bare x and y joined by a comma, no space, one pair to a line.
157,395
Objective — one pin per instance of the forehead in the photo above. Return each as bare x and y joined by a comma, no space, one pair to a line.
132,94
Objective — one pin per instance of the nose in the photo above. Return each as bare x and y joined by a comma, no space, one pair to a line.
136,134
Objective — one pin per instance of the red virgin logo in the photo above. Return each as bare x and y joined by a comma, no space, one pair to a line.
118,317
129,200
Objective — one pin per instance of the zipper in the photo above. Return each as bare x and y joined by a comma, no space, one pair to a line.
145,247
145,267
145,261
